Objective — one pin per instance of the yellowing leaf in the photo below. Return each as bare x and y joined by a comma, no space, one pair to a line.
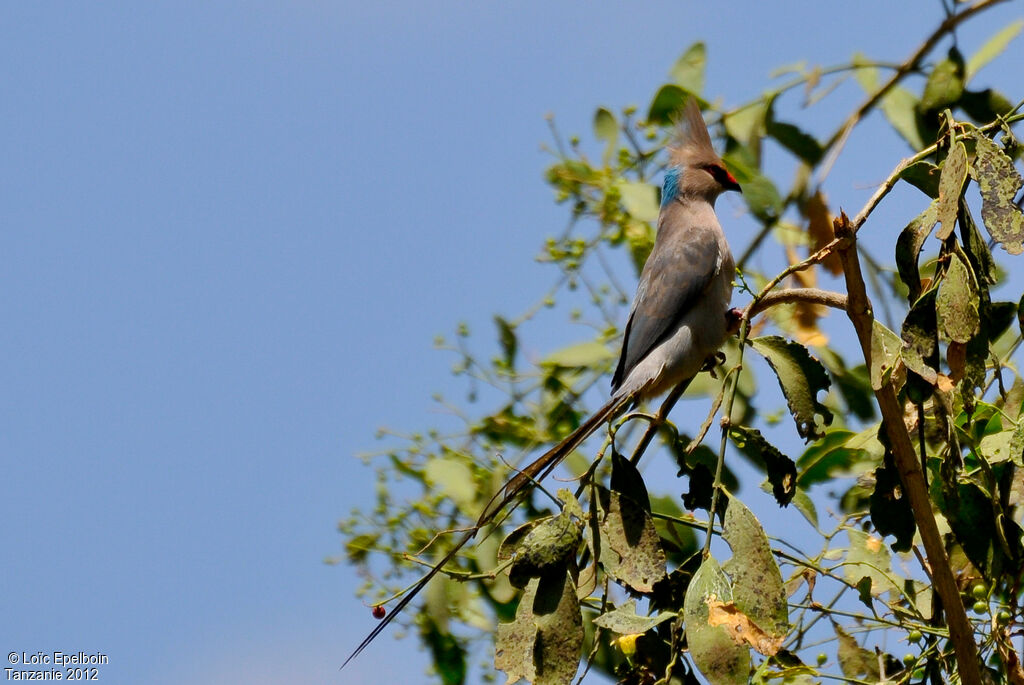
639,199
716,655
741,629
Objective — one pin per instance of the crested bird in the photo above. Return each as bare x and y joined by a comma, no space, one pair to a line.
679,318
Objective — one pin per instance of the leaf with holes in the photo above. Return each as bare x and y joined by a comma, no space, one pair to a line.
545,548
999,182
890,507
780,468
801,377
956,305
543,643
630,546
716,655
757,588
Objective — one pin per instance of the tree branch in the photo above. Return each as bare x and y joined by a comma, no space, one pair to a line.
859,311
808,295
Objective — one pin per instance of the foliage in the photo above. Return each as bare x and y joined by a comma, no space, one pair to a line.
626,580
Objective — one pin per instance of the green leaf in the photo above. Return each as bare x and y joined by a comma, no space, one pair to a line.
757,587
358,548
719,659
507,339
1006,445
992,48
970,515
898,105
801,144
627,481
921,339
630,546
854,660
762,198
868,556
747,124
688,71
585,355
885,354
945,84
985,105
448,655
544,641
999,182
802,377
454,478
951,188
924,176
606,128
639,199
828,458
666,105
625,621
976,248
805,505
908,248
546,547
781,469
956,305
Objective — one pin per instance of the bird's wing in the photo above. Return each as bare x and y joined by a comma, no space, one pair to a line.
674,280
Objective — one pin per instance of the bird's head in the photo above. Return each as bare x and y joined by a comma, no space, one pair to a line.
695,169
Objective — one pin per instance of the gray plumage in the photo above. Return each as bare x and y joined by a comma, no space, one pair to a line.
678,318
678,315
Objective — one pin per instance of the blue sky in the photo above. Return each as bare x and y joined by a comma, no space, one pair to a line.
230,232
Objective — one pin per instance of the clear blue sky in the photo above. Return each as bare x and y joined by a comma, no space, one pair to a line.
229,233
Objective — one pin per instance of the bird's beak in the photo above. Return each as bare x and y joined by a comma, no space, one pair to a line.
731,183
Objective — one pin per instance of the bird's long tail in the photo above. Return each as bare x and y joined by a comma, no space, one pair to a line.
526,477
543,465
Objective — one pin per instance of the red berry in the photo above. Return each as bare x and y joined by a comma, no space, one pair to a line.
379,612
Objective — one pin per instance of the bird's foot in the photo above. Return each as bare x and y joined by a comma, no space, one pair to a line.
713,362
733,319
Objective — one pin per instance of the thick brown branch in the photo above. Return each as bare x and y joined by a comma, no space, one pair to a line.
859,311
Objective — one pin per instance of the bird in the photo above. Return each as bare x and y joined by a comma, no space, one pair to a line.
679,317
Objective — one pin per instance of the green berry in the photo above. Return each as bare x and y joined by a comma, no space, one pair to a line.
914,636
822,658
979,591
980,607
909,659
1003,616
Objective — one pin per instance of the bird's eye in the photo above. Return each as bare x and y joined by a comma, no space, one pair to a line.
721,174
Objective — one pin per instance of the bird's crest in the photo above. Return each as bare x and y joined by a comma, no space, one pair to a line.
692,144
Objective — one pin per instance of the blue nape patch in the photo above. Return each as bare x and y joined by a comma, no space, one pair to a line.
671,187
